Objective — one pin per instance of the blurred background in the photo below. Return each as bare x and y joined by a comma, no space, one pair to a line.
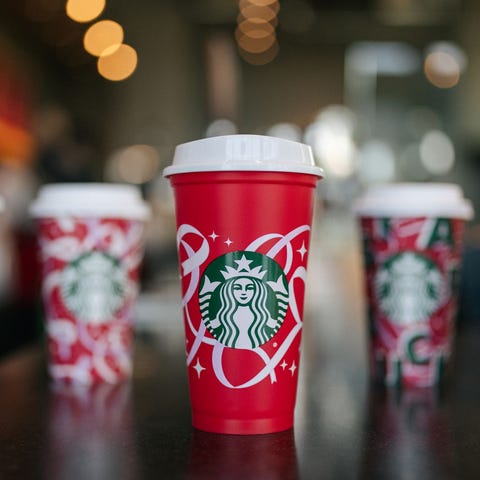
103,90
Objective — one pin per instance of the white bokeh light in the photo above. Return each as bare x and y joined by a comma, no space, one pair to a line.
331,138
437,153
135,164
376,162
221,126
288,131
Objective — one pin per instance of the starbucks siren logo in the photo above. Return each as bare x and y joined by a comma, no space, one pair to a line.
243,299
93,286
409,288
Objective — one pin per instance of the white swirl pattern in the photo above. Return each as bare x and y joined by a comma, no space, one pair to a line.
191,267
127,247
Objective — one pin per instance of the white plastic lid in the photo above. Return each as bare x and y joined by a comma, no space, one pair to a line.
90,199
414,200
244,153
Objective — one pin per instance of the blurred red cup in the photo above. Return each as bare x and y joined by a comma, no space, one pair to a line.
244,207
91,244
412,238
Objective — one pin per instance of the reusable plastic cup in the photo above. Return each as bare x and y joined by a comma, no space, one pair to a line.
244,209
412,237
91,245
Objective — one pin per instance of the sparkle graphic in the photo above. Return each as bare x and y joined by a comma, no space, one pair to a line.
284,364
198,367
228,242
302,250
213,236
275,345
293,368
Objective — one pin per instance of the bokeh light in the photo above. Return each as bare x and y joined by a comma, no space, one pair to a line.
437,152
444,64
254,28
442,70
288,131
260,58
257,44
84,10
255,12
221,126
118,65
135,164
383,58
376,162
261,3
255,33
331,138
102,36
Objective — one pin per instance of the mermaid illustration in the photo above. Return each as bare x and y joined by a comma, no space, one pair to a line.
244,305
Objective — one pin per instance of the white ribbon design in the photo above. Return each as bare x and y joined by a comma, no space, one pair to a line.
126,246
191,266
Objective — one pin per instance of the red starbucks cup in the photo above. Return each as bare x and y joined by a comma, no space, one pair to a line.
91,245
244,208
412,238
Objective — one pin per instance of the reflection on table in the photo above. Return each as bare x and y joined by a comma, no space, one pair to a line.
409,435
90,432
240,457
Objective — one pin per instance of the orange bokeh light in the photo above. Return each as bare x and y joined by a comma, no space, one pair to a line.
118,65
102,36
442,70
84,10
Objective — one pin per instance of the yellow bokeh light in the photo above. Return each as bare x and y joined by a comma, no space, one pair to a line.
84,10
254,28
254,11
273,22
101,36
261,58
136,164
256,44
263,3
442,69
119,65
273,5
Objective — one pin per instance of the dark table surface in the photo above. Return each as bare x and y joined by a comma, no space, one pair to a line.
345,428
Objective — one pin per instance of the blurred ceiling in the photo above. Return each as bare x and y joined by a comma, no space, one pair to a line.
304,21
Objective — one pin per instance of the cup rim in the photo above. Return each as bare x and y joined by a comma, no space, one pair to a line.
243,152
89,199
414,200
